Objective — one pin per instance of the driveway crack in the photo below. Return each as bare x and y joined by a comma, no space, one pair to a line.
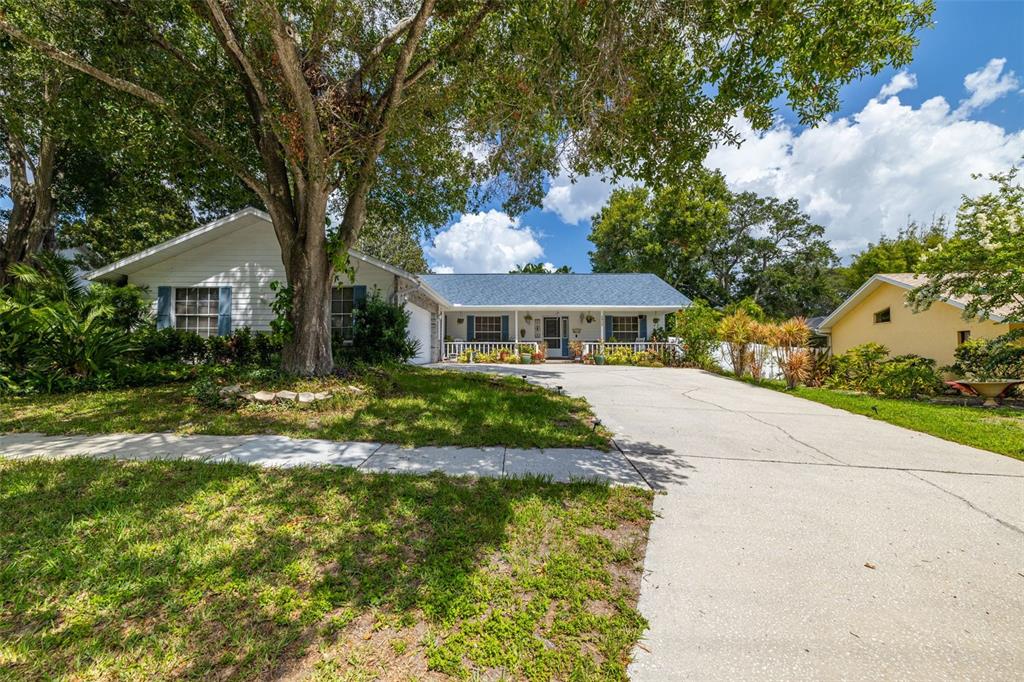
793,438
970,504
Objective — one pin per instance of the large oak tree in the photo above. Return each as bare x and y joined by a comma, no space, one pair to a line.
380,101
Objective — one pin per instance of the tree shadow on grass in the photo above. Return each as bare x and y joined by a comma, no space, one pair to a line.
181,569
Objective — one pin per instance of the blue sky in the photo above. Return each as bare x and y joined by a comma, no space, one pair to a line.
910,154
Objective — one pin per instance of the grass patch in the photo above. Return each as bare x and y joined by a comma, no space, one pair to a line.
407,405
997,429
152,570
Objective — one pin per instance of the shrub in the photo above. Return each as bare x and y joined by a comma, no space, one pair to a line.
55,334
857,367
906,376
697,329
737,331
379,334
868,368
127,306
998,358
789,340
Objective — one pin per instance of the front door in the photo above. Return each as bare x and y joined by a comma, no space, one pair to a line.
553,336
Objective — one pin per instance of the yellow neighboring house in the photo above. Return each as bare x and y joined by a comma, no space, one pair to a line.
878,312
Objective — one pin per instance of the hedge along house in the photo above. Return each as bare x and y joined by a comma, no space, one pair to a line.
216,279
488,311
878,312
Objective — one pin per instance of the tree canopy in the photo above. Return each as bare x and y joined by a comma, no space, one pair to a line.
402,108
982,263
901,253
720,246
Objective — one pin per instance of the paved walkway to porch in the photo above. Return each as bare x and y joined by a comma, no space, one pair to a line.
559,464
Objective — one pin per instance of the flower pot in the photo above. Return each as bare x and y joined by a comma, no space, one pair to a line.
526,358
598,359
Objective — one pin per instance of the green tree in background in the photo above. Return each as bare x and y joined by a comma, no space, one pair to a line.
376,102
539,269
393,243
668,231
901,253
983,260
712,244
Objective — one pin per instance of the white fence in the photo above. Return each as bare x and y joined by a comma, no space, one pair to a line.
591,347
770,369
453,349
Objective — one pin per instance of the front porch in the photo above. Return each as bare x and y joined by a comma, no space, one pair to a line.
556,333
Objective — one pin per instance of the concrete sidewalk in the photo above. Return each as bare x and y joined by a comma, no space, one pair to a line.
560,464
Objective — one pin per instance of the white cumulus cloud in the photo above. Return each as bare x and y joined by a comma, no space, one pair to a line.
986,85
491,241
860,176
866,175
897,84
579,200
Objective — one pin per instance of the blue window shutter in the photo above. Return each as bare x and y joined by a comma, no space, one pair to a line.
358,296
607,327
643,327
224,311
504,327
470,327
565,337
163,307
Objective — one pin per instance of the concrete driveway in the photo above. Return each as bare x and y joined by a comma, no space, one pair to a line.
795,541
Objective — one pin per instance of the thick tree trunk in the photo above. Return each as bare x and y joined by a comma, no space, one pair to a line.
310,276
32,211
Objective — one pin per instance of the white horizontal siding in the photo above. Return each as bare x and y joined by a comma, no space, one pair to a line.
247,260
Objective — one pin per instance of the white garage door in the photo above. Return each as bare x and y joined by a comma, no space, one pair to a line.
419,330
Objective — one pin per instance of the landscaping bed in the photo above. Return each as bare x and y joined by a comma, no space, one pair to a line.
997,429
399,404
156,570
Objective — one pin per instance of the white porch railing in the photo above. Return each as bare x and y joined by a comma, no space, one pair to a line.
453,349
592,347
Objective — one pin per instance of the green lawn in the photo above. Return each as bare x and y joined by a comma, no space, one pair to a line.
999,430
153,570
408,405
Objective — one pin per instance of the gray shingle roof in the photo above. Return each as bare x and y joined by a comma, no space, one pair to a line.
640,290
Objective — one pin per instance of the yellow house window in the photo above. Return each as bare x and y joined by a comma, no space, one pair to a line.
963,337
883,316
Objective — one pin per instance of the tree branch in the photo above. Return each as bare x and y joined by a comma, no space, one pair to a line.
379,49
215,148
453,46
355,208
230,42
295,81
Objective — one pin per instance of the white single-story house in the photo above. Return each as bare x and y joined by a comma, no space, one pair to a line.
217,278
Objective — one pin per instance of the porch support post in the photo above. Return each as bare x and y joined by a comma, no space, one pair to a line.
602,327
515,334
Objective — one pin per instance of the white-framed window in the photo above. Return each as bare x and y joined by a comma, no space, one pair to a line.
487,328
625,328
342,304
196,310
